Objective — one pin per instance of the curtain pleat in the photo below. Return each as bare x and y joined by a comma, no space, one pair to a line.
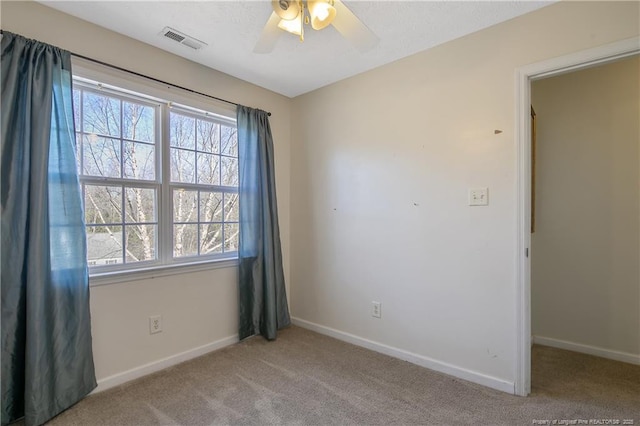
47,360
263,305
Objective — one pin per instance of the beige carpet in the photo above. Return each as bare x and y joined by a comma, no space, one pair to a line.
305,378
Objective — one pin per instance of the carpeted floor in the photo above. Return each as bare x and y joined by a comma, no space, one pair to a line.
305,378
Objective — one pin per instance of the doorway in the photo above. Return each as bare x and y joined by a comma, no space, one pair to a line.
585,250
525,75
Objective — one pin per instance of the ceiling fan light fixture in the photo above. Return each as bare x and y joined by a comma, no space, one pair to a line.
322,13
293,26
286,9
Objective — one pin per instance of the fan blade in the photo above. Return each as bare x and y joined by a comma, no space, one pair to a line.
353,29
269,36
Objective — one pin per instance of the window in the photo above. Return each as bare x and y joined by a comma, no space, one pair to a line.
159,181
204,185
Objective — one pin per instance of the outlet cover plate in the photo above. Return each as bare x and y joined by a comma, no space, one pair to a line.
155,324
376,309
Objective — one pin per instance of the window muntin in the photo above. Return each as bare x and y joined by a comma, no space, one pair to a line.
121,140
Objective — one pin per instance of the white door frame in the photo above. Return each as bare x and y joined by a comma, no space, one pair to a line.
524,76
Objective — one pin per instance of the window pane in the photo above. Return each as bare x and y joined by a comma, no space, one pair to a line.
101,114
140,205
104,245
141,242
183,165
185,240
231,207
76,108
139,161
209,169
210,206
230,237
229,141
139,122
182,131
102,204
101,156
210,238
78,145
208,136
185,205
229,171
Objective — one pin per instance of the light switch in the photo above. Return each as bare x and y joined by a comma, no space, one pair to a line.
479,197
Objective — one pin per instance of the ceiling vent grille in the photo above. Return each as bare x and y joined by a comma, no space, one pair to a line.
182,38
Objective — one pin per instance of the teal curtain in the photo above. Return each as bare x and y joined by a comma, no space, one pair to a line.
263,301
47,363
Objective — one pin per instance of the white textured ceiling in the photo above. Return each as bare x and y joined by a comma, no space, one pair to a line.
231,29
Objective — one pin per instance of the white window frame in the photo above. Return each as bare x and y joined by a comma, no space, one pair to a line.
156,184
170,186
123,85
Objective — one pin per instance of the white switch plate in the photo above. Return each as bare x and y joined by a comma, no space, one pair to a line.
479,197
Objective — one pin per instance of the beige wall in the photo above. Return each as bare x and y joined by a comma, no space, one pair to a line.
382,163
585,281
197,308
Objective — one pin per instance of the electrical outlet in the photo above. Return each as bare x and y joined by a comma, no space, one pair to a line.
155,324
376,309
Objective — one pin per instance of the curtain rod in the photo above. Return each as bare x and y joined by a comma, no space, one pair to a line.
157,80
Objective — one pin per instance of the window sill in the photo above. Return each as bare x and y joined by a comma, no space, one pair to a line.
116,277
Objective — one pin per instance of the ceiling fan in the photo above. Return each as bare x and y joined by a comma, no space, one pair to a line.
292,16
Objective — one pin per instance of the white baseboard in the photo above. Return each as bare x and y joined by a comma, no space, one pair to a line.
423,361
589,350
152,367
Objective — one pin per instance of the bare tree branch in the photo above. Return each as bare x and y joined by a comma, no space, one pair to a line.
111,234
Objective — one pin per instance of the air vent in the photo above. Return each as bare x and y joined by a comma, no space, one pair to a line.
182,38
173,36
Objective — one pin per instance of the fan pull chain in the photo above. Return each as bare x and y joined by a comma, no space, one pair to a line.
303,18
